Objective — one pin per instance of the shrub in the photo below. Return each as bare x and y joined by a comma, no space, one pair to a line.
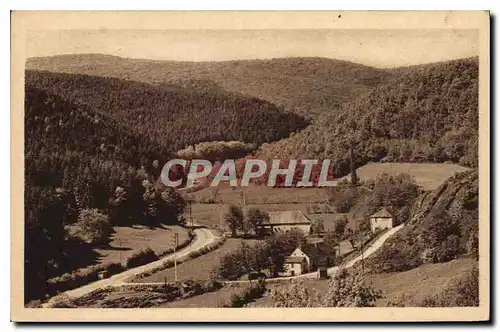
249,293
93,227
141,257
400,253
63,301
34,304
114,268
345,289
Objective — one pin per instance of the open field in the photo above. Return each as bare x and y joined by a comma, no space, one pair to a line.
414,285
428,176
127,240
198,268
213,214
259,194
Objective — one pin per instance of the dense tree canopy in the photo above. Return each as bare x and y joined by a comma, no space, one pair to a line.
78,161
172,116
427,113
305,86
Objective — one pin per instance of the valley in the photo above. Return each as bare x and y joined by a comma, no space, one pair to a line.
402,220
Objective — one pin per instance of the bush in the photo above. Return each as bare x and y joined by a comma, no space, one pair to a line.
399,254
76,279
249,293
141,257
34,304
114,268
93,227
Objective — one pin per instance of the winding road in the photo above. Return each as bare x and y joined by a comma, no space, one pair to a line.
203,237
370,250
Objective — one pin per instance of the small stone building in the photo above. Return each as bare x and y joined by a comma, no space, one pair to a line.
382,219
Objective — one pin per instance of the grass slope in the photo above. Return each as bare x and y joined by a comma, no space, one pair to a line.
429,175
198,268
410,287
127,240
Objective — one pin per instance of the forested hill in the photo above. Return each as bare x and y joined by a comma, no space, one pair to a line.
172,116
306,86
427,113
71,147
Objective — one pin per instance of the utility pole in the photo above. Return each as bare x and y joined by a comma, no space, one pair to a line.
175,242
220,217
190,202
362,253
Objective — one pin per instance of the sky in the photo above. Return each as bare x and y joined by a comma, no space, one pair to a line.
378,48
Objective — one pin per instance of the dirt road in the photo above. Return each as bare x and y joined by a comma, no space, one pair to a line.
203,237
333,270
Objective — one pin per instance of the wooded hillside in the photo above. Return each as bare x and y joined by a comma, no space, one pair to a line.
172,116
428,113
306,86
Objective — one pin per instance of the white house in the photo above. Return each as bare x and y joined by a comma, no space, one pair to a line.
382,219
297,263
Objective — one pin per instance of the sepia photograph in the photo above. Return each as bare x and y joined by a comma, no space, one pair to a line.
299,166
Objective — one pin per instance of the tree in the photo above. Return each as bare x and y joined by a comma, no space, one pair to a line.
331,242
93,227
317,227
234,219
440,237
350,236
172,206
118,207
45,216
256,218
354,175
345,289
348,289
295,294
282,244
340,228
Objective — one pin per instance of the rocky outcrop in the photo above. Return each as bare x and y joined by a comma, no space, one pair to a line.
443,226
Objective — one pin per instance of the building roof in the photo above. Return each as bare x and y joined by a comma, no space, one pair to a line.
315,240
288,218
295,259
382,213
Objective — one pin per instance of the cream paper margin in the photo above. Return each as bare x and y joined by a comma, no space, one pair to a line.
22,21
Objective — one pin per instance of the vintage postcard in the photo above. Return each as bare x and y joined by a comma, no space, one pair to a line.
250,166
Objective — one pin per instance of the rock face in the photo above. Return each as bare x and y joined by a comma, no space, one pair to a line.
442,227
458,196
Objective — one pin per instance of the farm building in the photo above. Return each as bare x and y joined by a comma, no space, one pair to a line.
382,219
287,220
297,263
305,259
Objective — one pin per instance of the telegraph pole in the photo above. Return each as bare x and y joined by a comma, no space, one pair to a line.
220,217
190,202
175,242
362,255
